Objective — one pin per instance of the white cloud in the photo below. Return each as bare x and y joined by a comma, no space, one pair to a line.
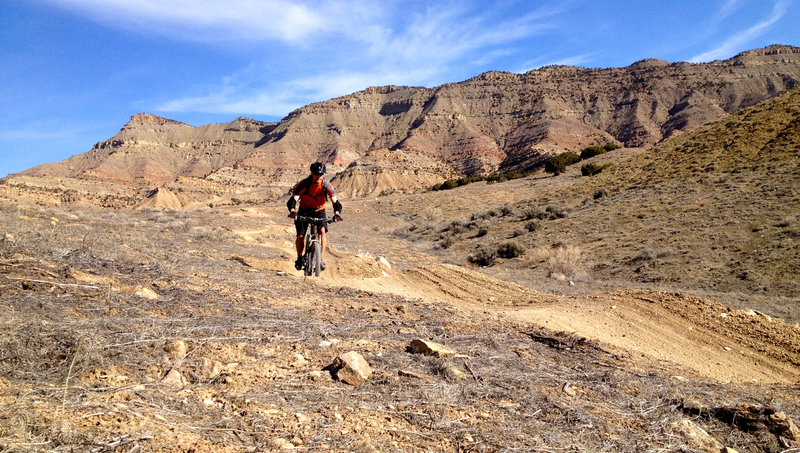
421,51
212,20
736,42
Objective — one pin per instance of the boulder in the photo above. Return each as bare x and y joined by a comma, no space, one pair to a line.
351,368
173,379
696,436
430,348
146,293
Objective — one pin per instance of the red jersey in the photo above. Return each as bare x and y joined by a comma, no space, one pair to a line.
313,196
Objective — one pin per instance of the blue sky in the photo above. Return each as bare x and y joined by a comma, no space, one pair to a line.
72,72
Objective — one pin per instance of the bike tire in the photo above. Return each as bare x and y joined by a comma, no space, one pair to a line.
317,259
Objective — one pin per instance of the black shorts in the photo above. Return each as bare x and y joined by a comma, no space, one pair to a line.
302,226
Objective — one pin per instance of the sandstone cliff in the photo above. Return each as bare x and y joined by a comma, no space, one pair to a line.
391,138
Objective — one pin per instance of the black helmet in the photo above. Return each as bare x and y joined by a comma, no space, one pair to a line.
318,168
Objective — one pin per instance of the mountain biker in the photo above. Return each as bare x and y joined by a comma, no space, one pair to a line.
312,192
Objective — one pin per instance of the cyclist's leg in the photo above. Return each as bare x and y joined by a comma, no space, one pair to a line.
298,244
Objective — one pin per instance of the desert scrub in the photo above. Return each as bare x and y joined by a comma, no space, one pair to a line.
510,249
600,193
559,163
593,169
483,256
556,212
566,261
531,213
457,226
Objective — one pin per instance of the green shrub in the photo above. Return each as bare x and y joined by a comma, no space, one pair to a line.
591,151
483,256
593,169
611,146
559,163
510,249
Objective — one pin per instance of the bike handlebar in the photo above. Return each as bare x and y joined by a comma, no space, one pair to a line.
316,220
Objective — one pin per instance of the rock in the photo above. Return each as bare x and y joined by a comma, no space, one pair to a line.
785,426
454,373
146,293
569,389
351,368
210,368
696,436
9,238
176,348
365,446
299,361
173,379
383,264
430,348
411,374
279,443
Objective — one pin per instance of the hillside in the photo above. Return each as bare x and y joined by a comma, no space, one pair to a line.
713,212
495,122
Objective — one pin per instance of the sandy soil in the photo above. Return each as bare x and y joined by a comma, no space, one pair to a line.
191,331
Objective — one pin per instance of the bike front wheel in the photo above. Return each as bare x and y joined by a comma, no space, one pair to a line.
316,258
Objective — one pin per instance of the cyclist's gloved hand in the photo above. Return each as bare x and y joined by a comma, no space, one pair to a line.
293,215
337,218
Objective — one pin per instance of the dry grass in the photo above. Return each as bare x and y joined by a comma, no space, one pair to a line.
83,367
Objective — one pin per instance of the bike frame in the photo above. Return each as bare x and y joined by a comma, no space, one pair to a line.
312,250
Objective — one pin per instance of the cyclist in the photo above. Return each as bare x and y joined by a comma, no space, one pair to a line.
312,192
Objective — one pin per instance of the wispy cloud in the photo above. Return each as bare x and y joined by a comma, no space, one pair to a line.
211,20
737,41
421,50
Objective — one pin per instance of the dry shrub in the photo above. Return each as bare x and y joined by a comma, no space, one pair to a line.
432,214
565,260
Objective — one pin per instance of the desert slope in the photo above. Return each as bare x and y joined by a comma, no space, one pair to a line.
177,331
712,211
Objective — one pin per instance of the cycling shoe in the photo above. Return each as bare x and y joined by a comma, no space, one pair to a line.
322,265
298,264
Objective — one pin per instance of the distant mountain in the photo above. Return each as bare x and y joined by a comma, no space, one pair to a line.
151,151
385,139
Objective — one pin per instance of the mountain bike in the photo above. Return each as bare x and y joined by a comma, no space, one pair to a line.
312,252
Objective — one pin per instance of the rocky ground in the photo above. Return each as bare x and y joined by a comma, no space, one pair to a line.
190,331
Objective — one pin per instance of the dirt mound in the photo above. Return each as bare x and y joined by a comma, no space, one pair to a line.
704,337
383,172
160,198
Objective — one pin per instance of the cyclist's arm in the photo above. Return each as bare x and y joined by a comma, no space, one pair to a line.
337,207
292,203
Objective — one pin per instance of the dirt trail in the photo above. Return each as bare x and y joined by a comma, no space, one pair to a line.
689,334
